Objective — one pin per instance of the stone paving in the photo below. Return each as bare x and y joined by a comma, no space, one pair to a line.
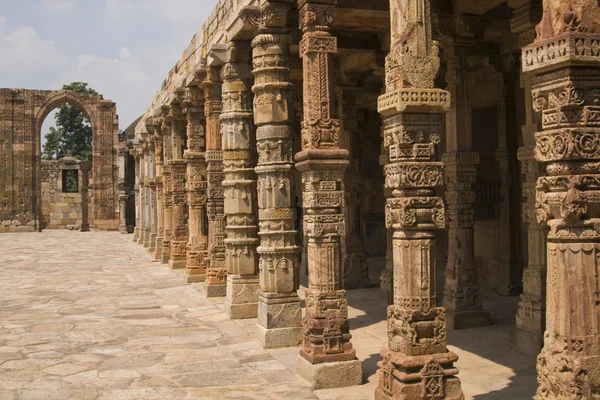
89,316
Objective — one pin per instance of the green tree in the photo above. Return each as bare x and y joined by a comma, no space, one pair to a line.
72,136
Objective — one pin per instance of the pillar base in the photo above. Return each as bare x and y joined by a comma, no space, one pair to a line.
242,296
196,278
456,320
152,245
279,319
403,377
136,234
165,258
276,338
331,374
146,238
159,250
215,290
123,229
524,342
177,264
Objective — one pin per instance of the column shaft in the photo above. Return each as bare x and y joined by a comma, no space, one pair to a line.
327,357
167,190
416,364
565,66
197,253
179,216
237,140
216,273
279,312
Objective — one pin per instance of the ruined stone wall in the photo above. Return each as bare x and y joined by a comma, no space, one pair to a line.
22,113
61,210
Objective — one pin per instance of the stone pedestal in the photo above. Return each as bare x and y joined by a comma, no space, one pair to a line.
331,374
241,296
279,319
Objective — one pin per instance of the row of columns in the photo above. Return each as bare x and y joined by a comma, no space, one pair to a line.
237,167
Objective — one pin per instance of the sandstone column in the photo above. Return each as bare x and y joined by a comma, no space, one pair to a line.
136,231
416,364
179,216
123,151
279,313
565,64
327,358
167,187
356,269
461,291
152,190
527,334
144,228
158,151
197,252
238,136
216,272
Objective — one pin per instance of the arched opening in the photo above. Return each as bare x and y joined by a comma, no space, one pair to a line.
64,154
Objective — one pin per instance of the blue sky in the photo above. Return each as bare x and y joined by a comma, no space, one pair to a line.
122,48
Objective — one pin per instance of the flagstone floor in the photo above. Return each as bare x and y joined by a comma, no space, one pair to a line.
89,316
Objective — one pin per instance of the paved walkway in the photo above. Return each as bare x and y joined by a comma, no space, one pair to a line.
88,316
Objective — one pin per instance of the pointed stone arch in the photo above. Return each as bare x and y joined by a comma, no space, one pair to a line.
22,113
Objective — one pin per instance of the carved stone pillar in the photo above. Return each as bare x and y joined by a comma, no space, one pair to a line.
123,151
179,217
527,334
152,195
356,268
216,273
461,290
327,358
167,188
416,364
197,253
144,229
565,64
136,157
238,136
279,312
85,201
386,285
158,152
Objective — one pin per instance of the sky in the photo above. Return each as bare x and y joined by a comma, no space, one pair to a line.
122,48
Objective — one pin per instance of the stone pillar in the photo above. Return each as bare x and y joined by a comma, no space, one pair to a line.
416,364
386,285
84,169
238,136
216,272
179,216
461,290
123,151
147,192
565,64
167,187
327,357
152,191
527,334
356,268
197,253
142,183
136,156
158,151
279,312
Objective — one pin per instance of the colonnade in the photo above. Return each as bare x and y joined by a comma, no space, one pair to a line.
215,191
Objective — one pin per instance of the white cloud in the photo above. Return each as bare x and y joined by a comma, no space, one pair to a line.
58,6
23,49
2,21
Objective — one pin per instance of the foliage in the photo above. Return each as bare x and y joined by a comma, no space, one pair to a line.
72,136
